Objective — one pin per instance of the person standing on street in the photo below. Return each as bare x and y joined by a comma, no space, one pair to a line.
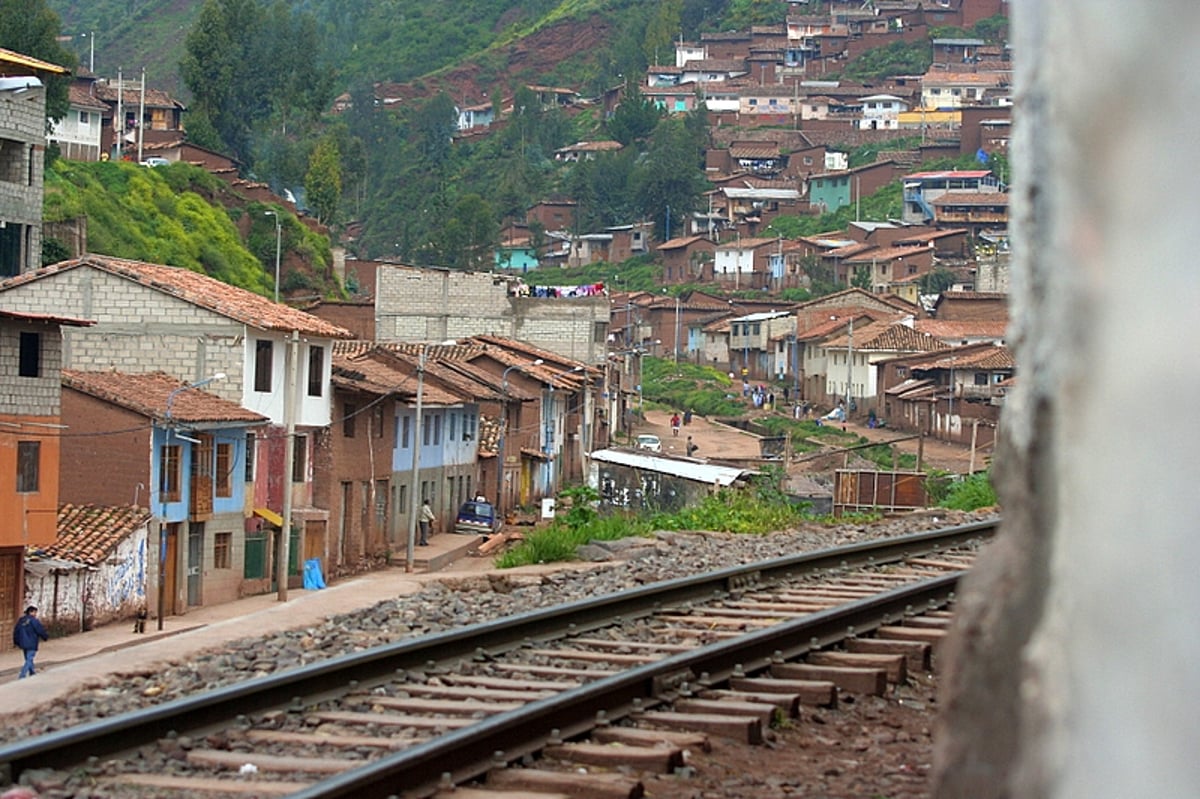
26,635
424,521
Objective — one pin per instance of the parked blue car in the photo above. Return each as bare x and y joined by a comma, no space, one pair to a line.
476,518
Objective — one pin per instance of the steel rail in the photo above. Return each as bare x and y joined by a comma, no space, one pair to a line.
312,683
504,738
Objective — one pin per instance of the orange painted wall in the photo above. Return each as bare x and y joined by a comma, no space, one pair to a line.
28,518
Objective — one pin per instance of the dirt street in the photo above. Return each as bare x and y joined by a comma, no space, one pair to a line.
721,441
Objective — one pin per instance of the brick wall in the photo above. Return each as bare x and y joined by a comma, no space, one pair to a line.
103,469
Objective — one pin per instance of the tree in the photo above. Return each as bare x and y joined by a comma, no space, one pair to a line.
661,30
862,278
245,63
468,238
323,183
937,281
31,28
670,179
634,119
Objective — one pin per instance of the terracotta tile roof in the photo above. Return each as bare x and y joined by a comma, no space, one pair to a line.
754,150
147,394
132,96
25,316
932,235
521,352
978,356
888,337
377,371
89,533
849,251
887,254
971,295
946,329
679,243
207,292
80,97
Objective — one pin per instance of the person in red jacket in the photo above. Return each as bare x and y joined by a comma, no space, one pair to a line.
26,634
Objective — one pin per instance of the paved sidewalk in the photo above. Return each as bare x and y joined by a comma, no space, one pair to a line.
68,663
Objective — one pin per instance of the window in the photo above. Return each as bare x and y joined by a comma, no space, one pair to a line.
469,427
299,458
405,430
31,355
263,362
402,498
599,332
251,443
316,371
28,463
981,378
453,425
222,545
168,475
377,419
437,430
348,411
84,118
425,428
223,485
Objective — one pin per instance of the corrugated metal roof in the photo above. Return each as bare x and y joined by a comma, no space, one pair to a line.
707,473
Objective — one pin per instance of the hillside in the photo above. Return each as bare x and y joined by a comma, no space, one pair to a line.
181,215
367,40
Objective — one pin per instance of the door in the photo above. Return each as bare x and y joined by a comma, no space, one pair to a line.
195,562
12,594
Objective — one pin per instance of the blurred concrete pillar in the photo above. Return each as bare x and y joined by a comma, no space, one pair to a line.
1075,663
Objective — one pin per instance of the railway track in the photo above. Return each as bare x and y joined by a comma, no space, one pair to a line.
726,653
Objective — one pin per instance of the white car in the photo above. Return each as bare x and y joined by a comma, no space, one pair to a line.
155,161
649,442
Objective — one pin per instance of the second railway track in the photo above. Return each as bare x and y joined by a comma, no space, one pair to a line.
694,654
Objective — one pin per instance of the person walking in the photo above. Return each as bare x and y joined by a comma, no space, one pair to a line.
691,448
675,425
26,634
424,521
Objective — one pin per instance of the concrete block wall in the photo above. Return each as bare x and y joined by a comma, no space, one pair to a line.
415,304
137,328
22,156
30,396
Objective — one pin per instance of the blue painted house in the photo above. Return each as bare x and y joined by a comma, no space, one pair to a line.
159,443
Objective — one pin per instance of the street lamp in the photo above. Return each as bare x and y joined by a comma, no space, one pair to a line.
278,240
500,509
168,429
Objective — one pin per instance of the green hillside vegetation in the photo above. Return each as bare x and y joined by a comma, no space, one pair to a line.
178,215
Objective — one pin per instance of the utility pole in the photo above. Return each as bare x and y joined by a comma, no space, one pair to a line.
849,364
414,503
289,462
141,115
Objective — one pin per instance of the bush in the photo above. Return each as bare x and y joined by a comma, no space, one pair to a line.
971,493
